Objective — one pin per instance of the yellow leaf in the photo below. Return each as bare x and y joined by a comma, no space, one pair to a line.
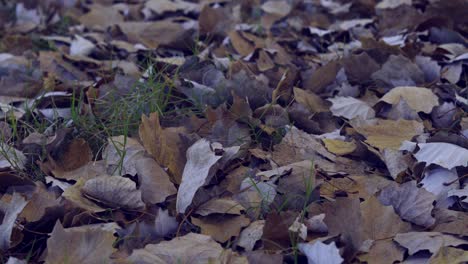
339,147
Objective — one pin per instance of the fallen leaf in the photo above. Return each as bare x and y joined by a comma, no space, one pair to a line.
380,224
88,171
280,8
164,224
434,181
361,187
84,244
319,252
383,134
432,241
449,255
155,184
101,17
222,227
194,248
396,161
339,147
74,195
81,46
164,144
310,100
298,228
11,157
122,153
163,6
220,206
10,207
197,172
351,230
419,99
42,200
255,196
276,230
349,107
251,234
114,191
410,202
392,3
398,71
316,224
443,154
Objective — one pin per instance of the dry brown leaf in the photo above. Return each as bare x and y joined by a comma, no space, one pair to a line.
432,241
84,244
380,224
162,6
88,171
114,191
191,248
355,186
322,77
449,255
255,195
339,147
214,20
410,202
349,107
398,71
280,8
121,154
41,201
101,17
387,133
164,144
74,195
220,206
343,217
264,62
276,230
155,185
298,146
242,45
221,227
157,33
69,159
310,100
418,98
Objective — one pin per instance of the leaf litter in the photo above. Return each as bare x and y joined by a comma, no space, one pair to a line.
214,131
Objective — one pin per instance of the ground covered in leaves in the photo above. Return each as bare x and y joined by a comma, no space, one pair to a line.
225,131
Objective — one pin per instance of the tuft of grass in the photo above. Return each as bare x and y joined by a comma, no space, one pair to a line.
310,184
120,114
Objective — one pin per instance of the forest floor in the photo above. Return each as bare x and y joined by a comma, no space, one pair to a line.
219,131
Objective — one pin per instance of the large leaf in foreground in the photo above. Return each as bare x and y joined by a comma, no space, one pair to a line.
84,244
443,154
410,202
114,191
191,248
